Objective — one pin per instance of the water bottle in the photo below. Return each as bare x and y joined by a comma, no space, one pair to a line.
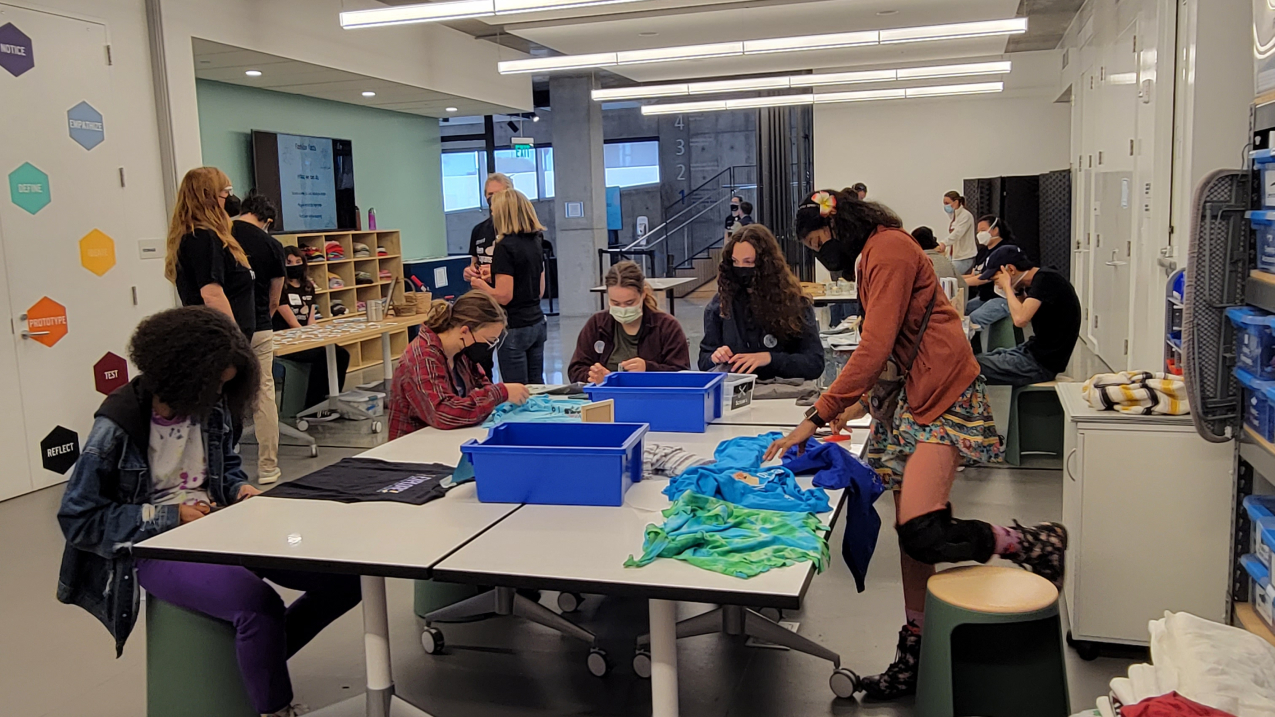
371,219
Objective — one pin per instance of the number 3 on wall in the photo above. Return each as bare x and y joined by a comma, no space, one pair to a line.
681,147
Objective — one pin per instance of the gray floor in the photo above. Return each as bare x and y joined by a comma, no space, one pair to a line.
56,660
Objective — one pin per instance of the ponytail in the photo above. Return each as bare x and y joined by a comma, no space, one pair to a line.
473,309
956,197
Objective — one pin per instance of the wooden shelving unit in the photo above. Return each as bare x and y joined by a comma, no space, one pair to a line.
1247,617
351,293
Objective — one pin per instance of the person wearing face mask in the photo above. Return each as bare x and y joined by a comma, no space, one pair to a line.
960,244
482,247
438,382
741,215
633,335
297,308
1045,299
941,418
760,322
987,307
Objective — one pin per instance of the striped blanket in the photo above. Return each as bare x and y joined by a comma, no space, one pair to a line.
1138,392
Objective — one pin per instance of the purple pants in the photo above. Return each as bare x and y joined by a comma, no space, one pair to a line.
266,632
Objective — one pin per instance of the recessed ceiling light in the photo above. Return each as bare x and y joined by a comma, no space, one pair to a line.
369,93
253,73
450,109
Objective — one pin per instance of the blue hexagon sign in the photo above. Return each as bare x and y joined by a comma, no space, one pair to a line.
29,188
17,55
85,125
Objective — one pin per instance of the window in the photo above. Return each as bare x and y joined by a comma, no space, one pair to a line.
520,169
630,164
546,170
462,180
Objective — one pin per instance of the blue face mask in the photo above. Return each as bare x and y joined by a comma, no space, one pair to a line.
949,208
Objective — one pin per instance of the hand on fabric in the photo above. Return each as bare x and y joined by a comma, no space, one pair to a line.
749,363
853,413
247,491
188,513
722,354
798,437
597,372
633,364
518,393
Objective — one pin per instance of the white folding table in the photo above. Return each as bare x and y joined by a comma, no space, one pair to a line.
776,413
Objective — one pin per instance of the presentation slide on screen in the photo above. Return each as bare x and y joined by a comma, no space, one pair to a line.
307,182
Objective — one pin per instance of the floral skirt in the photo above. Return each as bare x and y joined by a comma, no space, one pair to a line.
966,424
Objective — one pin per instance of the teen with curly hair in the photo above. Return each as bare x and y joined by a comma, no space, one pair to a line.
760,322
160,455
940,420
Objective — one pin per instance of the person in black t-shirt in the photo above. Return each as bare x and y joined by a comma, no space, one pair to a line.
482,245
297,309
1049,303
518,282
204,260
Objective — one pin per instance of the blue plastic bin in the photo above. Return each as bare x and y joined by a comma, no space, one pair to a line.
1254,342
683,402
1260,593
557,463
1261,511
1257,403
1264,227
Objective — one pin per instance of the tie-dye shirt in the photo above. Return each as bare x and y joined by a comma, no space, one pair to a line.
178,464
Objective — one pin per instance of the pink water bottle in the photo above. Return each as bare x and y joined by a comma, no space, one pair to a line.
371,219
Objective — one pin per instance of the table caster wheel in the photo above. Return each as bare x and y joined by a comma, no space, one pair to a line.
1087,651
377,426
844,683
314,451
432,640
569,602
303,425
597,662
773,614
642,663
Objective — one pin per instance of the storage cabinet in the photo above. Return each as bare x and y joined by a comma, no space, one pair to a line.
1143,497
384,266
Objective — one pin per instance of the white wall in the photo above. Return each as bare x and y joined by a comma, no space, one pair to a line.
910,152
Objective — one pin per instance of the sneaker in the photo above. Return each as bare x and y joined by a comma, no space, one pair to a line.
267,478
899,679
324,416
1041,549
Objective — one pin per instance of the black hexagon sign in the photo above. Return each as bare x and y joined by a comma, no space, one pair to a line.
60,449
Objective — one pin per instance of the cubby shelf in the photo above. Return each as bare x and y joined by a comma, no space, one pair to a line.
352,292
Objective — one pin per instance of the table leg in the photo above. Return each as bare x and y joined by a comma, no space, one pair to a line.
663,658
387,363
334,386
671,298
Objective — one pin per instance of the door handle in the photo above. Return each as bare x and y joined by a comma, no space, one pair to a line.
1113,261
1067,464
29,334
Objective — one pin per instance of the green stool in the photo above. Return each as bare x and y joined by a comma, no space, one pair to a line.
1035,422
191,668
992,647
1002,334
292,389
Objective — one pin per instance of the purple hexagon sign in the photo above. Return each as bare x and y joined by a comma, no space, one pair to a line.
16,53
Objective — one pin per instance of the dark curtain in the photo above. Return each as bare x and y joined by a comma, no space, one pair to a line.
1055,221
785,173
1037,208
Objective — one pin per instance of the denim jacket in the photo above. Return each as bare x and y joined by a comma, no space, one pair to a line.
106,508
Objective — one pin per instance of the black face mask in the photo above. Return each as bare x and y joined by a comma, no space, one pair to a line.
734,207
295,271
743,275
835,255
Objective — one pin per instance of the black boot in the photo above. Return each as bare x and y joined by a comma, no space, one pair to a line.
1042,549
899,679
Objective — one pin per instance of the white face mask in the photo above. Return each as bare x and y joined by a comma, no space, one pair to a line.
626,314
1014,285
984,238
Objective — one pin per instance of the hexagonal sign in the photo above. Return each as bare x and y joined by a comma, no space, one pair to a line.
29,188
97,252
85,125
46,321
17,54
60,449
109,373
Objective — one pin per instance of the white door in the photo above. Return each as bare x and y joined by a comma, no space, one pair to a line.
1082,180
57,226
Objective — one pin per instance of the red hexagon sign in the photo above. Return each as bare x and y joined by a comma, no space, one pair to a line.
109,373
46,321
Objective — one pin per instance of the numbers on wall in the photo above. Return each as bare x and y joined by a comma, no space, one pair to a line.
681,172
681,147
680,122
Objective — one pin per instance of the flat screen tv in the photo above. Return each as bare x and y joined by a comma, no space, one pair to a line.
310,180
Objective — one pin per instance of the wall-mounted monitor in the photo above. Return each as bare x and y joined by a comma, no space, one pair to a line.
310,180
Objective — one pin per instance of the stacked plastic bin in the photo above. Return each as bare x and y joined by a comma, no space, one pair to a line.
1260,561
1263,220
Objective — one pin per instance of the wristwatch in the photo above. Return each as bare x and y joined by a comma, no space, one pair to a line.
813,416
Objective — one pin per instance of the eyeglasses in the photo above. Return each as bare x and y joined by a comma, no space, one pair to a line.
496,343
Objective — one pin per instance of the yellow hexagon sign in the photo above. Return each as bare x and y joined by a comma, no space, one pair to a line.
97,252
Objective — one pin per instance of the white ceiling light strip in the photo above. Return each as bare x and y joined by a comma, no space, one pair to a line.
780,83
824,98
457,10
780,44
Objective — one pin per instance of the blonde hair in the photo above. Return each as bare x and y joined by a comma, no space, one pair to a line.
512,213
472,309
498,177
197,208
628,275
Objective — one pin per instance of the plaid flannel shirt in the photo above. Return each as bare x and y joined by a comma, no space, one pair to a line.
423,393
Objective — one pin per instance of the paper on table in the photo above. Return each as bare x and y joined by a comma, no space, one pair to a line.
440,277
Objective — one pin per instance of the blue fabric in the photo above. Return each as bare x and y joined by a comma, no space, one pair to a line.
835,467
538,409
777,488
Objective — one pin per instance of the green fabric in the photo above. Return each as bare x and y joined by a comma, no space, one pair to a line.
626,347
725,538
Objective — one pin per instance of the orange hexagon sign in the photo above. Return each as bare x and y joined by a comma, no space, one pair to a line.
46,320
97,252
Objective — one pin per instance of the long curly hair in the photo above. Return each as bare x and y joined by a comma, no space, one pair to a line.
197,208
182,354
775,298
851,219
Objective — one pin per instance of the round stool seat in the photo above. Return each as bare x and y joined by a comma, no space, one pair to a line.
999,590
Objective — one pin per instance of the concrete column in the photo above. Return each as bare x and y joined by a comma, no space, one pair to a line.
579,180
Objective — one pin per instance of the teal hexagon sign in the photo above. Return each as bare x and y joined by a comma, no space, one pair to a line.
29,188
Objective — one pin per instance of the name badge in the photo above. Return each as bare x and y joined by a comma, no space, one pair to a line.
770,341
599,347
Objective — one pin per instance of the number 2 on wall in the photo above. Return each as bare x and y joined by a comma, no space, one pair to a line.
681,172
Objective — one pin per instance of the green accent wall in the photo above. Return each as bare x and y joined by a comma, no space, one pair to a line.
397,156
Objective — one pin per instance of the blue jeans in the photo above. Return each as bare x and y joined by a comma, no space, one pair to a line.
522,355
986,313
1013,367
963,266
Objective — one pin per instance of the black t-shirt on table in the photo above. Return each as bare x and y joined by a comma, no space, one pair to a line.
1056,325
265,254
202,260
520,256
300,299
482,241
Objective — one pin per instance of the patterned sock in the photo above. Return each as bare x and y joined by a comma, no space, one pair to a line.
915,617
1006,540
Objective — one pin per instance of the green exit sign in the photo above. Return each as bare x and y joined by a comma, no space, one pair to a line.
523,146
